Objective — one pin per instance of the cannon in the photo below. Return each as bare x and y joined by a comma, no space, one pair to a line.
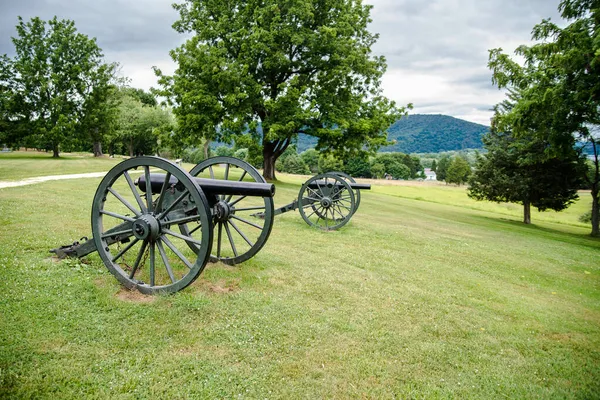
326,201
154,224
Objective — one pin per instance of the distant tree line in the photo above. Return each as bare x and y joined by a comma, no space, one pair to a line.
58,94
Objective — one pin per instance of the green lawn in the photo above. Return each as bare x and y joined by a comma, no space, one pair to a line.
27,164
425,293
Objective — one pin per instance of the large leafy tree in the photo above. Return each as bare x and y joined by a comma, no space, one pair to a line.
50,79
289,66
459,171
561,73
514,170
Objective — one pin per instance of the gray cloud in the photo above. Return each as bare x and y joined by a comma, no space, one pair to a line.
437,50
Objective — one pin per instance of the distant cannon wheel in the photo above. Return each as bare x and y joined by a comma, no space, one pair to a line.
132,226
238,235
350,179
326,201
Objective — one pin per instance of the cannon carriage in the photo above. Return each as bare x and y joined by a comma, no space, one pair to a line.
156,226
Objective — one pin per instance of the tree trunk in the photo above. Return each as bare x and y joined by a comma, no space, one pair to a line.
595,212
98,149
268,161
526,212
206,147
130,147
54,150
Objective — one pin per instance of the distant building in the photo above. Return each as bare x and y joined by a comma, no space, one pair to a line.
430,175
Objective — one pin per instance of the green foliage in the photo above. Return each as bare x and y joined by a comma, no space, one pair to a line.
293,164
56,81
358,167
513,171
311,159
400,165
294,67
377,170
558,87
251,143
442,168
329,163
458,171
193,155
242,154
139,127
224,151
433,165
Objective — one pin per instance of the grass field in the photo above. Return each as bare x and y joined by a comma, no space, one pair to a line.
424,294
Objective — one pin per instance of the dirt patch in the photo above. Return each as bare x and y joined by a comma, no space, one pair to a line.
222,286
133,296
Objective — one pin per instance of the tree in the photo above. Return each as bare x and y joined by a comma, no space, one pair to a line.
561,73
294,67
442,168
311,159
433,166
54,72
458,171
513,172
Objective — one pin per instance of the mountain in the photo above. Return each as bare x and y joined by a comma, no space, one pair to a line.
424,133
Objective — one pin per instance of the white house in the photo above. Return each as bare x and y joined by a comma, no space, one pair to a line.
430,174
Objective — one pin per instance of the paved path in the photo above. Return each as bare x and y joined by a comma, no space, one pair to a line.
39,179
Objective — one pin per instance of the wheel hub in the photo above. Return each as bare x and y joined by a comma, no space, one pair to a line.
326,202
223,211
146,227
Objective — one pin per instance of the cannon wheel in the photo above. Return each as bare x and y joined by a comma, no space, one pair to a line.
330,205
147,255
238,236
350,179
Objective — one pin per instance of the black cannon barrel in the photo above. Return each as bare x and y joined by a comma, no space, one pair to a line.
212,186
359,186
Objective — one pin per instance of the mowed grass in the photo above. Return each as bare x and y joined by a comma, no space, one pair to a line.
424,294
28,164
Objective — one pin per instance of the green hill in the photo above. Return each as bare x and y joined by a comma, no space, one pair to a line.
423,133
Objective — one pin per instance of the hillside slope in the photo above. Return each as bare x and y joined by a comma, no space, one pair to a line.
424,133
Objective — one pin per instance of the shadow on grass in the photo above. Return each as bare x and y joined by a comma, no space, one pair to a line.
543,231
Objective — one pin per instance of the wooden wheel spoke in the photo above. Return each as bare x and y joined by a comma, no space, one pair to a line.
195,229
163,190
176,251
219,240
185,193
183,220
241,233
124,201
118,233
165,260
152,264
138,259
115,215
148,188
250,208
124,250
183,237
247,222
235,253
233,203
136,194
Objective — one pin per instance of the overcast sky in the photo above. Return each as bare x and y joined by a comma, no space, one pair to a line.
436,50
